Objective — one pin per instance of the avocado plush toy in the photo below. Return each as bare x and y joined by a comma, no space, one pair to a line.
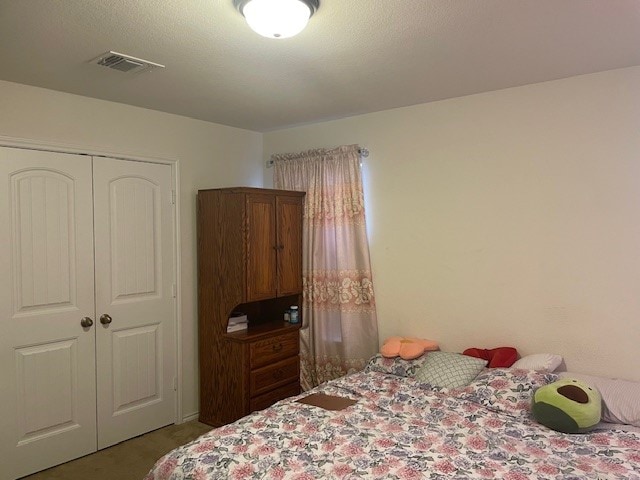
568,406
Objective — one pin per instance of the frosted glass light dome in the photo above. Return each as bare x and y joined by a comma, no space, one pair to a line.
277,18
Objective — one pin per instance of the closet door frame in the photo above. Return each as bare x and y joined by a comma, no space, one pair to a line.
175,181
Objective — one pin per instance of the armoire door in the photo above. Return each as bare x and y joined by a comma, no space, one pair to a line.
135,304
47,358
289,233
261,247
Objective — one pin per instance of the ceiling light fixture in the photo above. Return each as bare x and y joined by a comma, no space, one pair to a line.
277,18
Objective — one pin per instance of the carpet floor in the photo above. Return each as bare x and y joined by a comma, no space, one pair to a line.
130,460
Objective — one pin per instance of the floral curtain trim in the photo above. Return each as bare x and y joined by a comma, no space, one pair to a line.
344,290
331,207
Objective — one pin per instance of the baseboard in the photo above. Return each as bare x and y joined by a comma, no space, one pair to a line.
190,417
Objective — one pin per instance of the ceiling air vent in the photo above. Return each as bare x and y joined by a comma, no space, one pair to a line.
125,63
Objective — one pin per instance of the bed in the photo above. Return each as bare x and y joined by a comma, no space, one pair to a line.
401,428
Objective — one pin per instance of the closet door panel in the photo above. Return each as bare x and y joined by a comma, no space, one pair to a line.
135,268
134,298
47,359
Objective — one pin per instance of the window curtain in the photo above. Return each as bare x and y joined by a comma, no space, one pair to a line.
339,327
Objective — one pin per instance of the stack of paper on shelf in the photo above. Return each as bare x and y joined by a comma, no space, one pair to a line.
237,322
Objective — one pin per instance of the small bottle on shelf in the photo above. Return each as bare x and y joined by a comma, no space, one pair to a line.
293,314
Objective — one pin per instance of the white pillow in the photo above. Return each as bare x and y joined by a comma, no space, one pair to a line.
539,361
620,398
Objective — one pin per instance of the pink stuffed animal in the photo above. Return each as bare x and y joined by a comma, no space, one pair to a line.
407,348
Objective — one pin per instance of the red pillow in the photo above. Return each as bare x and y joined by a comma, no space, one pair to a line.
501,357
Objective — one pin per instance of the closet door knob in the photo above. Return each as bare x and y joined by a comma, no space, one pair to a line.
105,319
86,322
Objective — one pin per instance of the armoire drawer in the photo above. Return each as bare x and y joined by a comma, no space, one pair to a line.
265,352
272,376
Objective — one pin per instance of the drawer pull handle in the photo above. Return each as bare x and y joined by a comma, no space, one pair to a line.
277,348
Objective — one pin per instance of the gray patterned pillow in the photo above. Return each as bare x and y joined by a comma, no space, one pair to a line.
449,370
395,365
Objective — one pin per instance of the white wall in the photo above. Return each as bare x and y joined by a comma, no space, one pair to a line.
209,155
506,218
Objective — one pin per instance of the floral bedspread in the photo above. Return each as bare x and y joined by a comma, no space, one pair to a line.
398,429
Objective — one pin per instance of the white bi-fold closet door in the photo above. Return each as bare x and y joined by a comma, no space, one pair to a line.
87,307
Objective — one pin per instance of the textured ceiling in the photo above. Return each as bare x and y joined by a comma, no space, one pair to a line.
355,56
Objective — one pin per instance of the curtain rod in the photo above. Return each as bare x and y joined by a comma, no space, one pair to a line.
364,153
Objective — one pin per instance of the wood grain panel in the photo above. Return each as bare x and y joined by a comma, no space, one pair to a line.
261,247
221,286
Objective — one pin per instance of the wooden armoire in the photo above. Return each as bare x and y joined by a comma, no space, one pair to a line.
249,260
